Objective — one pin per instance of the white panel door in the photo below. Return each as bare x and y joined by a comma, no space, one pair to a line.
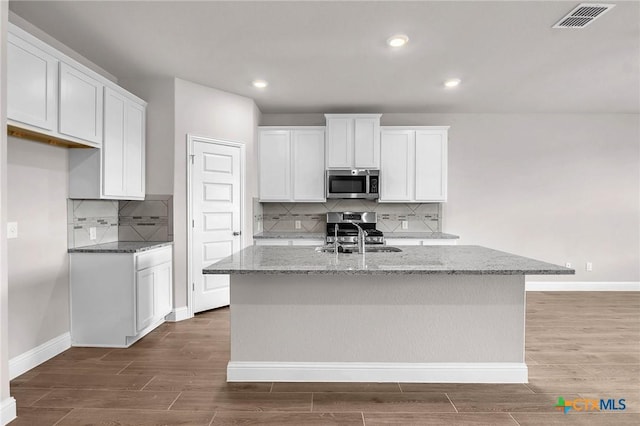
396,169
134,136
367,143
113,149
80,105
339,143
275,165
308,165
32,85
431,165
216,196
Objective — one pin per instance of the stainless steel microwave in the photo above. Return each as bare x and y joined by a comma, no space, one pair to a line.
356,183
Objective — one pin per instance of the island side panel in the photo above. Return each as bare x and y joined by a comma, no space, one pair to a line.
396,318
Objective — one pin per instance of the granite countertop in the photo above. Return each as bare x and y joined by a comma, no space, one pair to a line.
422,235
121,247
472,260
291,235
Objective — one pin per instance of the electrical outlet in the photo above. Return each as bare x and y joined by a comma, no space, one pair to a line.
405,224
567,265
92,233
588,266
298,224
12,229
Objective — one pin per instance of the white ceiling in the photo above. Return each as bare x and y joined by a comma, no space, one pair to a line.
332,56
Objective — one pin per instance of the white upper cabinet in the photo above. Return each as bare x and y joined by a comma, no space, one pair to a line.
291,164
308,165
116,171
414,164
32,85
396,173
275,165
367,143
353,141
123,147
80,105
431,165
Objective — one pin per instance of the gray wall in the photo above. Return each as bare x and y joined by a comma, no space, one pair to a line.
38,262
556,187
204,111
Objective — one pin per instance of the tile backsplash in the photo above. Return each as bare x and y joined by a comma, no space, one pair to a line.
148,220
281,217
82,215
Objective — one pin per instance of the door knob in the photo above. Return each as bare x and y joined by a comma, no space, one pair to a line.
236,233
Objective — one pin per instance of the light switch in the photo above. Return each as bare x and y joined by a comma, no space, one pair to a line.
405,224
12,230
92,233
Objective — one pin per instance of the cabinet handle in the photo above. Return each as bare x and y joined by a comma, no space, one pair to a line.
236,233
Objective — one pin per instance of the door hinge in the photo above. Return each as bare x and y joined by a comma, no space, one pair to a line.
193,223
192,158
193,286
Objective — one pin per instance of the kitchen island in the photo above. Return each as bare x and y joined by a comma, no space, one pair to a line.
426,314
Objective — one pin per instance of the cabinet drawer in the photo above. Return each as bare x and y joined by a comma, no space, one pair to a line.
153,258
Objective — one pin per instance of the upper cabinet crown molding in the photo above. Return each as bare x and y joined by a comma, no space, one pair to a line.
353,141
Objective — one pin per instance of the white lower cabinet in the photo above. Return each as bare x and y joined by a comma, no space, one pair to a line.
117,298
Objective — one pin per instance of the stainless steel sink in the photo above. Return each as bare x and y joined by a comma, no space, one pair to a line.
354,249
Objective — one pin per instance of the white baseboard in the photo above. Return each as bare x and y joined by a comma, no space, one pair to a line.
481,372
7,410
582,286
36,356
178,314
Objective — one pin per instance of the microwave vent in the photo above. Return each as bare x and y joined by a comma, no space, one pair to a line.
583,15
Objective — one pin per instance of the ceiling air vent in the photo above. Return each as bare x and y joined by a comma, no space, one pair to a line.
583,15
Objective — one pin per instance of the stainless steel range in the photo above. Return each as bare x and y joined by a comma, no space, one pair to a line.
343,226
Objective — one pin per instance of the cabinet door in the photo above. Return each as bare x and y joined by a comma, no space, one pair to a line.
80,105
367,143
396,170
275,165
339,143
134,147
162,277
431,165
32,83
113,146
145,299
308,165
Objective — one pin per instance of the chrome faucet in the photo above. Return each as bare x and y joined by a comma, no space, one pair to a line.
361,234
336,244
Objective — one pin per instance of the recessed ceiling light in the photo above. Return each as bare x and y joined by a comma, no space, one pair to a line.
398,40
452,82
260,84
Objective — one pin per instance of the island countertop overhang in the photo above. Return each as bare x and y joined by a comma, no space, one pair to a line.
451,260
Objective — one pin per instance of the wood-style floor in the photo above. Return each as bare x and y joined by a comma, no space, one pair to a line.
582,344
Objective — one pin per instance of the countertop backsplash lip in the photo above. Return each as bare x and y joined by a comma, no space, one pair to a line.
121,247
